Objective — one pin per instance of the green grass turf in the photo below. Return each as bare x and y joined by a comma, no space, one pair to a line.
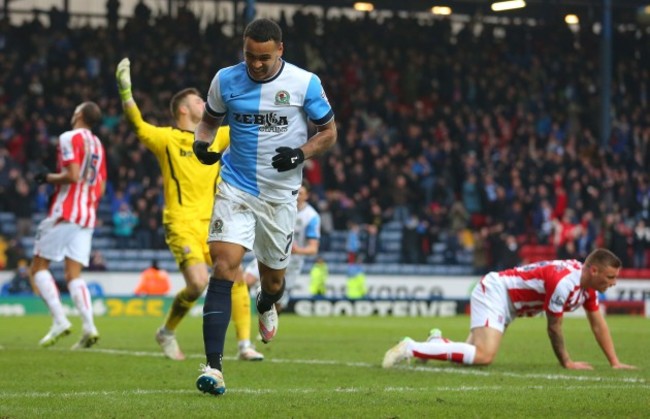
320,367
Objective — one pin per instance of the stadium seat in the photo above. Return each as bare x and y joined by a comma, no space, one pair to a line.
7,217
531,253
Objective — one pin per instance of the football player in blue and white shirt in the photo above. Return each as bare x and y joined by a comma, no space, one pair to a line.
268,104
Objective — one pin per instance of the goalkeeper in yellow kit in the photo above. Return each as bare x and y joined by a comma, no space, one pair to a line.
188,207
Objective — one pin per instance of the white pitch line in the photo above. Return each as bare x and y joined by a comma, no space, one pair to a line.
420,368
351,390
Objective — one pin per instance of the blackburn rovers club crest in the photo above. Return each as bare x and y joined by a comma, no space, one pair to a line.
282,98
217,227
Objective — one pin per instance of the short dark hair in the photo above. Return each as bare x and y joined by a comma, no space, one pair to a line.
91,114
603,258
262,30
178,98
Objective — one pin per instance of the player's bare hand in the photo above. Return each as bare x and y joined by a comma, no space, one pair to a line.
578,366
620,366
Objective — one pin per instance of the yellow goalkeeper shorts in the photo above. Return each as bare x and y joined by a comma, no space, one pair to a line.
187,240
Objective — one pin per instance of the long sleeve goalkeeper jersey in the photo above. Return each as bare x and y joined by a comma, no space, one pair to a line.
189,186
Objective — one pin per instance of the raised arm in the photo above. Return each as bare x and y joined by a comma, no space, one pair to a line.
604,338
123,78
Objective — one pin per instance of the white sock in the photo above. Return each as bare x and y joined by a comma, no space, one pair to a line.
245,343
50,294
166,331
81,297
444,351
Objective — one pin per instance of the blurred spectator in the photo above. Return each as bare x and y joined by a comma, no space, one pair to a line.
356,282
371,246
620,239
3,249
42,199
112,14
97,262
543,221
402,196
481,252
458,216
20,201
565,230
353,242
318,278
153,281
326,225
510,254
144,232
411,251
20,284
14,253
142,13
472,195
641,244
124,221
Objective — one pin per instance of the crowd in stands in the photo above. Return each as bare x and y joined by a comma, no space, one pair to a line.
480,141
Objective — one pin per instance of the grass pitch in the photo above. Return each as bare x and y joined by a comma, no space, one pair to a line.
320,368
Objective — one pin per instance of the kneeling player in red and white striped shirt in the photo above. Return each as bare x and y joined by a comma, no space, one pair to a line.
553,287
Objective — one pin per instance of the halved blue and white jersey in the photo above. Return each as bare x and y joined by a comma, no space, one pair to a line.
265,115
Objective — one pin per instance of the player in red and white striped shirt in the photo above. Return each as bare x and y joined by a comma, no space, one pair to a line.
552,287
66,233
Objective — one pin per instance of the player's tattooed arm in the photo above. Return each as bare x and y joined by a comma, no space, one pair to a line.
555,334
321,141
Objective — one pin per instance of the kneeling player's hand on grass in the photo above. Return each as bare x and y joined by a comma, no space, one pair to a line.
571,365
620,366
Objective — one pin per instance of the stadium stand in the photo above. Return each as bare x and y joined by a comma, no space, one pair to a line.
445,153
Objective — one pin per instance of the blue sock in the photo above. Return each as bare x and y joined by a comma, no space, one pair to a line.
265,301
216,316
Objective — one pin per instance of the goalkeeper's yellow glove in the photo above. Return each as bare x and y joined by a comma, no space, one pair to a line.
123,76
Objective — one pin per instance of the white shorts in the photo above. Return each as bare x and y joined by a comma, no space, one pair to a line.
490,305
58,239
264,227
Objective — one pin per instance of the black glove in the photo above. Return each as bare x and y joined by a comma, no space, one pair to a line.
287,158
41,176
201,152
